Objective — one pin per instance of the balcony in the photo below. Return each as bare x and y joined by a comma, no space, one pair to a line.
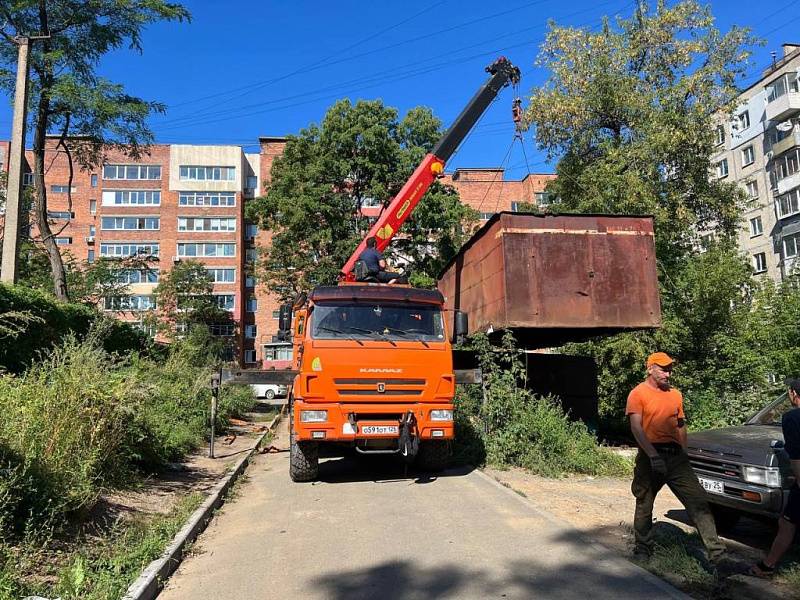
783,106
787,143
788,183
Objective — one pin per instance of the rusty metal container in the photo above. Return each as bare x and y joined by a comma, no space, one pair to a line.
556,278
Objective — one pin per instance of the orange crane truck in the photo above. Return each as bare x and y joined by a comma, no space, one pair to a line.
373,362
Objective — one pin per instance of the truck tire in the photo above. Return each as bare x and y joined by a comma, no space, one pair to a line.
434,455
725,518
303,461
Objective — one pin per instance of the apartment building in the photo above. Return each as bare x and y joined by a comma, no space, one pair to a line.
187,202
758,149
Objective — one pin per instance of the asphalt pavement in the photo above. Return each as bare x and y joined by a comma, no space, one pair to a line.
370,528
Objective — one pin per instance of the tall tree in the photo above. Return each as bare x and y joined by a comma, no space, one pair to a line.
630,112
66,94
359,155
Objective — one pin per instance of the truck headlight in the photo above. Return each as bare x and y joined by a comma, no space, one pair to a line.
770,476
442,415
313,416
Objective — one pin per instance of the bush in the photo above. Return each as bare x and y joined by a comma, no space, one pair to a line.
518,428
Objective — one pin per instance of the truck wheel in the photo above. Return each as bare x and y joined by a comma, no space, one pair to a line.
725,518
270,394
433,455
303,461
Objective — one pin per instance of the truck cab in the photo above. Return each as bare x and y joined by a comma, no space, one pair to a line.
375,373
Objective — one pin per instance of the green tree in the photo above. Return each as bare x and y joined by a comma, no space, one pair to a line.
184,299
359,153
630,110
67,95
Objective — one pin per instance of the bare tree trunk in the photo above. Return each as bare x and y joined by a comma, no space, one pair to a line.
39,141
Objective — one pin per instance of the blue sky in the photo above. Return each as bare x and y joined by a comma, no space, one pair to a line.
246,68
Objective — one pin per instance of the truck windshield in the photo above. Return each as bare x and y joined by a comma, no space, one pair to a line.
395,322
773,412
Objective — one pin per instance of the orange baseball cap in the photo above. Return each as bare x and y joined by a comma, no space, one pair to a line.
662,359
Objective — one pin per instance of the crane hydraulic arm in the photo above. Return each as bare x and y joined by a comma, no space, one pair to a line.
501,73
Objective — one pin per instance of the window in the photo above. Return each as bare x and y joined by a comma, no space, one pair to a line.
90,256
130,223
131,197
251,255
137,276
206,199
225,301
779,87
250,281
543,198
93,207
278,352
788,204
92,230
752,189
62,189
791,244
249,356
252,304
252,182
27,179
250,231
759,262
515,206
63,241
743,120
129,249
485,216
94,181
151,172
206,223
225,275
206,249
129,303
192,173
60,214
250,331
276,314
748,156
222,329
719,135
756,227
722,168
371,202
785,166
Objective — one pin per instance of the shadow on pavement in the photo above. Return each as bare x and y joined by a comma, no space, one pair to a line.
756,533
353,468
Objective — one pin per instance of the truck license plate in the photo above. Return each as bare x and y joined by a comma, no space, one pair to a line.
712,485
379,429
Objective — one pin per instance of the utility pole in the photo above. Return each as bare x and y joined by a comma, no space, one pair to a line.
8,268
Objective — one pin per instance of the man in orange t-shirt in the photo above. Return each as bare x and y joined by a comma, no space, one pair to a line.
655,410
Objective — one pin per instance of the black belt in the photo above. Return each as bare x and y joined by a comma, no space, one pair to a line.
668,448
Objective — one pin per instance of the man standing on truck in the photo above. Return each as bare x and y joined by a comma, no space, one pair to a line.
376,265
657,422
787,524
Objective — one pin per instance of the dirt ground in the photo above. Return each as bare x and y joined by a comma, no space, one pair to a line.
602,508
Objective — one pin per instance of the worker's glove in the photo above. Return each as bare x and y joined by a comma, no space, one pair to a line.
658,465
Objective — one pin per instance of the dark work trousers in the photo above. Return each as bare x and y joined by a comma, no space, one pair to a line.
684,484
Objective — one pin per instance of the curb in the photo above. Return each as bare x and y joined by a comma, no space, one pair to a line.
151,580
598,548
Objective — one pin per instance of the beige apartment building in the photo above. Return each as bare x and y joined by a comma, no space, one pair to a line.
758,149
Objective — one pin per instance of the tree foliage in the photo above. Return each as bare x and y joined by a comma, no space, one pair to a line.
66,94
359,153
630,112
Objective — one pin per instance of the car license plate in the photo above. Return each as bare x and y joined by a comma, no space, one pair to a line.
379,429
712,485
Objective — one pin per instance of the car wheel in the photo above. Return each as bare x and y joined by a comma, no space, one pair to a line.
725,518
270,394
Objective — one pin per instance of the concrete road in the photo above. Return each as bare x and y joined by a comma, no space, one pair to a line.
367,529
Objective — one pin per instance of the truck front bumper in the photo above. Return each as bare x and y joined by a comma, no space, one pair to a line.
353,422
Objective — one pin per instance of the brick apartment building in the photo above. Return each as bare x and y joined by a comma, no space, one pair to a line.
186,202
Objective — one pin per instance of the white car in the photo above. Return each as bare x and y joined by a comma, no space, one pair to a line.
268,390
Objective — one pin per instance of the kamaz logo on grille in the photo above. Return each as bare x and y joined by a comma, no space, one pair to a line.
381,388
376,370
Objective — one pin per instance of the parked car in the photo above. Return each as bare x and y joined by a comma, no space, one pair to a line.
744,469
269,390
